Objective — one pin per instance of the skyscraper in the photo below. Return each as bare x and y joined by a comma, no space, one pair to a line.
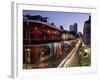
87,31
73,28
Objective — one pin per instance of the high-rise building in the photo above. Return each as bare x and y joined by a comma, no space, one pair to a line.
87,31
73,28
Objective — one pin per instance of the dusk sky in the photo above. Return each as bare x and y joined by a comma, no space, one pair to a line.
62,18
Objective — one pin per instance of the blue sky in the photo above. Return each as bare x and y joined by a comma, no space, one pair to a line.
62,18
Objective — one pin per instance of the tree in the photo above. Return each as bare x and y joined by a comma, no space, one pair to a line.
61,27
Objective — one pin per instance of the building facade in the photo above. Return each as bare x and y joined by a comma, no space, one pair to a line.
87,31
73,28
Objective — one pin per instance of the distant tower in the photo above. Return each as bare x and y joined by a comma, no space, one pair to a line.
73,28
87,31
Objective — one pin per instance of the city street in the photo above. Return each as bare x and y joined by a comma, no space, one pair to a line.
72,58
76,55
77,58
